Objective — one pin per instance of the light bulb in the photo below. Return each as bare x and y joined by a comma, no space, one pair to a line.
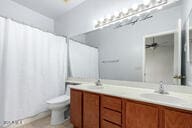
130,11
146,2
101,19
95,22
140,7
108,17
116,14
135,6
125,10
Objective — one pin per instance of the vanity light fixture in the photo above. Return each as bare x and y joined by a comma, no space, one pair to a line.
124,10
135,7
126,13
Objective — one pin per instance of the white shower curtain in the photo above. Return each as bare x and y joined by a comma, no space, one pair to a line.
34,69
83,61
2,37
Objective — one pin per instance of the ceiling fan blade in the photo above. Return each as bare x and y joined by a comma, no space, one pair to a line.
148,46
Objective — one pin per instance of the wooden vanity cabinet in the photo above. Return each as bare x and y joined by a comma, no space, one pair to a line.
76,108
176,119
138,115
91,110
144,115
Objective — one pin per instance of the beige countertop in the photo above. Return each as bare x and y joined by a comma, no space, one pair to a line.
173,99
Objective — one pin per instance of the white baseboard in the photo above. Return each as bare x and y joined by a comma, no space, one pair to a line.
30,119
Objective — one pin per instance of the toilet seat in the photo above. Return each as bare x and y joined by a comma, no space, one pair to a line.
60,99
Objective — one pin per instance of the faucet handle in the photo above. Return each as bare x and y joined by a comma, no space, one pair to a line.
98,83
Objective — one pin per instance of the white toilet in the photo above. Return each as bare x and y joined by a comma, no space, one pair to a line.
58,106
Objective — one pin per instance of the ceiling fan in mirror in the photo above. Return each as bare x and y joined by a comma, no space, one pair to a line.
154,45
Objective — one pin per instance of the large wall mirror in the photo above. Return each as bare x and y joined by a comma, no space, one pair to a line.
190,36
189,55
145,48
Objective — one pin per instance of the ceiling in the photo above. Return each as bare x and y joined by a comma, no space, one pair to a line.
50,8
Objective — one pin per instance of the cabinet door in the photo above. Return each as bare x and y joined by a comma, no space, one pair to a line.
174,119
141,116
91,116
76,108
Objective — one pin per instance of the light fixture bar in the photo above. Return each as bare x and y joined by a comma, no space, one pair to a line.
127,13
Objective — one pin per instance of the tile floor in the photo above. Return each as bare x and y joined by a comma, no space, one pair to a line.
45,123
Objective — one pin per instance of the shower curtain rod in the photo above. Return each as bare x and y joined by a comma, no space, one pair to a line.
20,22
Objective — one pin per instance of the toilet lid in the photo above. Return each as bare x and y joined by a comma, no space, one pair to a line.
59,99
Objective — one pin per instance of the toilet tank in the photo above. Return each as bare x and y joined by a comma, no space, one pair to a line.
67,92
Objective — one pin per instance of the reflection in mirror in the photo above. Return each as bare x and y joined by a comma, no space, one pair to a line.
189,62
159,58
190,43
83,60
144,48
190,36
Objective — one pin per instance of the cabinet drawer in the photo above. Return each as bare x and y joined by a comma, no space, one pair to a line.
112,116
112,103
106,124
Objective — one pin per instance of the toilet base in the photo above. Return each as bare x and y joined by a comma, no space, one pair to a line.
57,117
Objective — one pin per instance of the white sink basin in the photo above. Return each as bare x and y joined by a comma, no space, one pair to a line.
163,98
95,87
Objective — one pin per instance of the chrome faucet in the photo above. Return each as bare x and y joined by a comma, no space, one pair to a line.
98,83
162,89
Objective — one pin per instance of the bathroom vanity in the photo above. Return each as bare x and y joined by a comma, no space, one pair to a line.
128,107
